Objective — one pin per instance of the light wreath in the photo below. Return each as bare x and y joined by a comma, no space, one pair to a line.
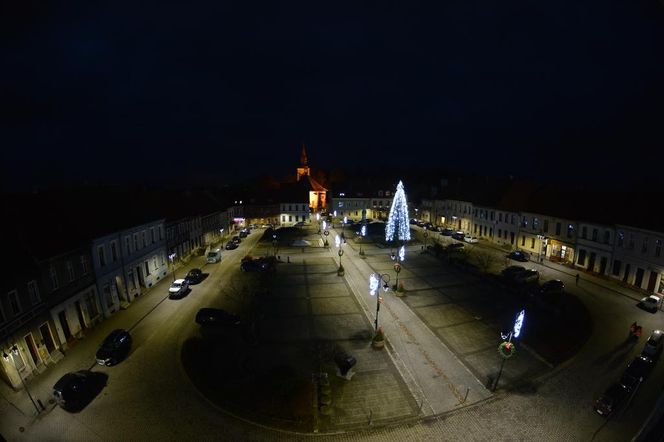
507,349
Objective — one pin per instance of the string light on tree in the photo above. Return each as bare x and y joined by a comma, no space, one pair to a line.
397,222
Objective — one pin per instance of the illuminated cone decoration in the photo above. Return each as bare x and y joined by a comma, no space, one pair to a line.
397,222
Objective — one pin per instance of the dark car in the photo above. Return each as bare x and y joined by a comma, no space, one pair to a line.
636,372
610,402
243,234
75,390
258,265
552,287
512,271
236,239
216,316
459,235
194,276
527,276
231,245
518,255
454,247
115,347
447,232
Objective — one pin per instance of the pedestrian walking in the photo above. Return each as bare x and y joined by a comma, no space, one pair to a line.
577,278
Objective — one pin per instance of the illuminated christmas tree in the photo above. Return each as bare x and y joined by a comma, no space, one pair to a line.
397,222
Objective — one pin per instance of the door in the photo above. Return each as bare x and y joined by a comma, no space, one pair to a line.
639,277
512,238
46,336
30,344
602,265
626,275
652,281
81,317
591,262
65,325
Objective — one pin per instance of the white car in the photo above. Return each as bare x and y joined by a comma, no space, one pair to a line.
178,288
470,239
650,303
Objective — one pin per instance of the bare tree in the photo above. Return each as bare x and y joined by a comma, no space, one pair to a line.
484,259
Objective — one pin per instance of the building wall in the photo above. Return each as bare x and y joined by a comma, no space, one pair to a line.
294,212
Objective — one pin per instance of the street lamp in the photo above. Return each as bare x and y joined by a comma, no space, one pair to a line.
506,348
171,257
274,243
426,235
398,258
375,280
14,350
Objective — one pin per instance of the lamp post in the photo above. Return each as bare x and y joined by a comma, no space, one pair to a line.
426,235
363,233
14,350
338,243
398,258
274,243
543,240
375,281
507,348
171,257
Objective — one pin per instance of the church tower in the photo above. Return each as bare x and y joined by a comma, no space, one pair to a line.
304,167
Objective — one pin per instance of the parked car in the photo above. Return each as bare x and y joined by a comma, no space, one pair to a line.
258,265
611,401
76,389
214,256
552,287
236,239
114,348
447,232
470,239
299,224
231,245
636,372
459,235
527,276
216,316
650,303
243,234
178,288
454,246
194,276
519,255
511,271
252,226
653,347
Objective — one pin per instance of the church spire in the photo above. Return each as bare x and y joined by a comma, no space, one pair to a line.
303,156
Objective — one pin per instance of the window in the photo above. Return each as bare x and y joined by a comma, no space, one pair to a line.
101,255
163,259
33,292
631,241
387,193
127,244
70,271
283,218
500,233
54,277
524,222
154,262
546,226
584,232
290,218
135,241
570,230
621,238
147,268
532,243
523,240
290,207
114,251
607,237
85,265
513,219
341,203
13,302
557,228
152,234
108,296
161,233
644,246
297,218
535,223
380,193
493,215
500,218
581,260
143,241
658,248
132,282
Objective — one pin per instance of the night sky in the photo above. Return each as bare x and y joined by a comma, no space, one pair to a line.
116,91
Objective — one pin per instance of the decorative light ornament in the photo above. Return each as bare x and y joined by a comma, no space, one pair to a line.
518,323
397,221
337,241
402,253
324,225
373,284
364,231
345,220
318,217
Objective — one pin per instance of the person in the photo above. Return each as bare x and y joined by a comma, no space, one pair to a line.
637,333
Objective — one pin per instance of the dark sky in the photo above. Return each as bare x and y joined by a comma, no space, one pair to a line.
572,89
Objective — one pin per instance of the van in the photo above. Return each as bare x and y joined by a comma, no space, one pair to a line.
214,256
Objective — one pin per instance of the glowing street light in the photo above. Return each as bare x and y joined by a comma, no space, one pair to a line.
375,280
